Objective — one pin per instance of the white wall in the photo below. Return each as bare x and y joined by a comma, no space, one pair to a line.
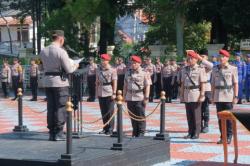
5,34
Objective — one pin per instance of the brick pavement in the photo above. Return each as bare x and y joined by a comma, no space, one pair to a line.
203,151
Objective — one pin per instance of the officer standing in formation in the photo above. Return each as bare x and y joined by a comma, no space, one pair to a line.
121,70
225,89
150,68
34,72
241,74
106,86
5,78
247,80
193,93
17,76
205,104
174,78
158,84
136,93
215,59
166,77
91,79
56,63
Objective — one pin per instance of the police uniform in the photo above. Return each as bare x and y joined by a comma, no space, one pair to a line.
205,104
158,85
166,74
34,81
6,79
106,79
193,79
214,59
135,84
247,80
151,70
241,65
223,83
174,84
121,70
56,63
16,76
91,79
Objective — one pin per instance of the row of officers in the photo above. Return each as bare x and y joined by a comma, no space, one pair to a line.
14,75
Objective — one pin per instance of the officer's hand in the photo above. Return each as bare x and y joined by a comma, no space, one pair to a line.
235,100
145,102
113,97
201,98
76,66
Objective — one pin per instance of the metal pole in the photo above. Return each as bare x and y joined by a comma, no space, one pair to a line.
119,145
162,135
20,127
69,110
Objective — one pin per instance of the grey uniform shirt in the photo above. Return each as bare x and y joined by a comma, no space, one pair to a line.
16,69
208,71
105,76
198,76
55,59
136,80
6,74
91,68
230,73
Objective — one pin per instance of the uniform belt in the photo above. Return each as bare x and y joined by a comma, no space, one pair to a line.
191,87
4,77
106,83
223,87
135,91
53,73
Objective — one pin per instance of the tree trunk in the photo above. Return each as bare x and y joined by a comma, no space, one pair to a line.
38,21
34,27
180,20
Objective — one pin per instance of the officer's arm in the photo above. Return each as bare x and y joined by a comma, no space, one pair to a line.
65,61
208,64
147,90
125,88
235,82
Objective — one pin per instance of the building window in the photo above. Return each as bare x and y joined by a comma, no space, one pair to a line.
25,34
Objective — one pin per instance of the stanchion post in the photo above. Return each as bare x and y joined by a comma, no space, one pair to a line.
119,144
162,135
68,154
20,127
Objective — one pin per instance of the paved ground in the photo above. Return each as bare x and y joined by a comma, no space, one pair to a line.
203,151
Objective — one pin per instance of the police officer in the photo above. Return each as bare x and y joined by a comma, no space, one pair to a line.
136,93
91,79
106,86
16,76
241,65
151,70
158,85
121,70
5,78
166,76
193,93
247,81
205,104
56,63
225,89
174,85
34,72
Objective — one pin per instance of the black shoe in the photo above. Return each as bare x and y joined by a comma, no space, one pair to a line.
140,135
14,99
102,132
196,136
33,99
60,137
205,130
51,137
239,101
108,132
220,141
188,136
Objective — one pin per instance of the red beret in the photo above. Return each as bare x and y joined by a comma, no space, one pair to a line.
224,53
106,57
192,53
136,58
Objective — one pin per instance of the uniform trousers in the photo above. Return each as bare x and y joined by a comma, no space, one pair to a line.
56,112
205,109
240,85
167,87
15,84
193,112
5,86
247,87
120,82
107,109
158,86
151,93
137,108
222,106
91,86
33,86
